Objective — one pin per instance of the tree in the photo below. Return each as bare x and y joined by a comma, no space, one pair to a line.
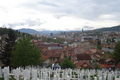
67,63
10,42
116,54
7,42
25,54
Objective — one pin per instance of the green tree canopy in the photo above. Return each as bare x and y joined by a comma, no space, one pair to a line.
67,63
116,54
25,54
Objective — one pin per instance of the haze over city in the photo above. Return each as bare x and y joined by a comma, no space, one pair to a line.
59,14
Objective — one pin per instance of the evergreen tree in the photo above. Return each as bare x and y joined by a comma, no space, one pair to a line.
10,41
25,54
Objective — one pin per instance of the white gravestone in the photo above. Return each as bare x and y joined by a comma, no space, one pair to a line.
1,73
6,73
117,78
26,74
34,74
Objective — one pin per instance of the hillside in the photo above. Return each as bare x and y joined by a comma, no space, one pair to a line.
30,31
16,32
113,29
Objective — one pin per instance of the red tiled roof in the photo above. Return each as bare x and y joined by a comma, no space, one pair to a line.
106,65
53,53
83,57
83,64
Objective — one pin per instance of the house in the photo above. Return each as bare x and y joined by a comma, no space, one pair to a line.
83,60
53,56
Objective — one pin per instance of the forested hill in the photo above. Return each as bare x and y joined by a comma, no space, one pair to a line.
13,32
113,29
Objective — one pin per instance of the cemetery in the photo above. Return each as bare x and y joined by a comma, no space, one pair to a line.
37,73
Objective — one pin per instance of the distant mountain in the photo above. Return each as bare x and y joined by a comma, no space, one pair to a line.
47,32
32,31
114,28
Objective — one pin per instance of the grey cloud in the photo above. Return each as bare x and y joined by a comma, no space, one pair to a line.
48,4
88,27
89,9
59,16
108,6
28,22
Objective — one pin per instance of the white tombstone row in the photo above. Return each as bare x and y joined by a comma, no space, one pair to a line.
59,74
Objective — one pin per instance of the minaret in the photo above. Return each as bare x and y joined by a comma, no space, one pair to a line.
82,30
82,38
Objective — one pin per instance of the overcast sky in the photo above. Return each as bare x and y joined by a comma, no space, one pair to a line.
59,14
